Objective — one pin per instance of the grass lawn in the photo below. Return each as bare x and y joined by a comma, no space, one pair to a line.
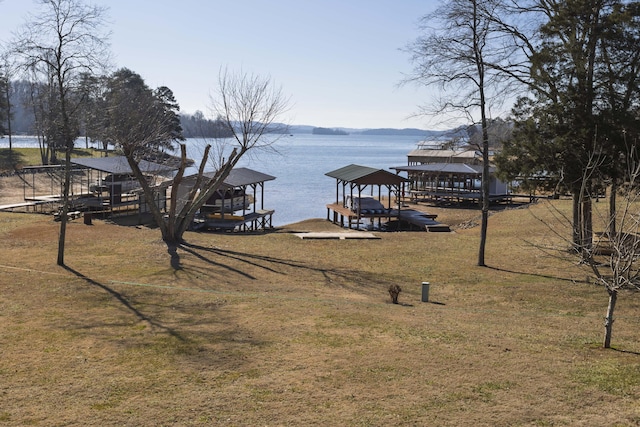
271,330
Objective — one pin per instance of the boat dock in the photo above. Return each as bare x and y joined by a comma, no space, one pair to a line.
423,221
44,204
337,213
254,221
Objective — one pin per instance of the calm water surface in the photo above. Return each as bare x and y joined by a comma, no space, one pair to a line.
301,190
299,162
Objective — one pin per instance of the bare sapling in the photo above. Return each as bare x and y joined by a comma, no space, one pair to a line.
612,255
615,256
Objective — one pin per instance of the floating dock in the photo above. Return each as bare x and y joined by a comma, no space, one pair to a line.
254,221
423,220
418,219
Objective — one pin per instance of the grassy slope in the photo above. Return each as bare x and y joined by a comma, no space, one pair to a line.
273,330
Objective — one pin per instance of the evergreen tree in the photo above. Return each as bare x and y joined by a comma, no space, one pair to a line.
583,79
170,111
140,121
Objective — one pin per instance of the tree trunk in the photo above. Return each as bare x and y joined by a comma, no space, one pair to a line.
186,214
608,320
68,144
65,205
52,151
586,243
486,202
150,196
483,237
612,209
576,219
9,118
479,61
189,210
173,235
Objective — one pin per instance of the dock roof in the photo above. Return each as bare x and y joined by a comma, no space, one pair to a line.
119,165
441,153
456,168
240,177
365,175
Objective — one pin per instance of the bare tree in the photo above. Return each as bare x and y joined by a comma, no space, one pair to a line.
5,104
247,104
620,270
62,42
461,53
614,257
7,70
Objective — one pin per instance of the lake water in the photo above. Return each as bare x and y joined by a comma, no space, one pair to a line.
301,189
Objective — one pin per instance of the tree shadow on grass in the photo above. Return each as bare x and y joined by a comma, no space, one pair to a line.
350,279
122,300
619,350
267,263
201,337
243,257
545,276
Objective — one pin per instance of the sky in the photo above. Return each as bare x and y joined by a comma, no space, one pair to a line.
340,62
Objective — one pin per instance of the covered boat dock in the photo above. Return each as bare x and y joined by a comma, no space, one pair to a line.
112,188
451,182
354,206
97,186
238,205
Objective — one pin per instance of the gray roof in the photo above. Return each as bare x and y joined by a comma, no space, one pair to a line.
119,165
459,168
365,175
240,177
439,153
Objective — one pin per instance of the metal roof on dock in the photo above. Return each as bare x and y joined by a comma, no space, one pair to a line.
365,175
240,177
456,168
120,165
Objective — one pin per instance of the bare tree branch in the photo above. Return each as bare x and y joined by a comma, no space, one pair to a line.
57,45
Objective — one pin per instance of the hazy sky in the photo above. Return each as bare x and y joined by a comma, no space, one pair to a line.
340,61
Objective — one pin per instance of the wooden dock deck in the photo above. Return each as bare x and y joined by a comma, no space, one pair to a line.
13,206
340,213
423,220
455,196
254,221
416,218
340,236
29,205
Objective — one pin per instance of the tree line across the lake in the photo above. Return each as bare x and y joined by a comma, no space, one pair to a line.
27,100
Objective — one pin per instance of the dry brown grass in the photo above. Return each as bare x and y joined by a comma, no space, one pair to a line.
268,329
